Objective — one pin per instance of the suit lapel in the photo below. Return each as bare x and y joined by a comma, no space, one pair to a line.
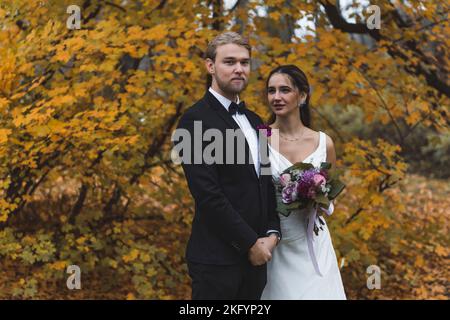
222,112
255,121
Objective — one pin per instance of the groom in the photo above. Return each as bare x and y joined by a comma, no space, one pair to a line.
235,226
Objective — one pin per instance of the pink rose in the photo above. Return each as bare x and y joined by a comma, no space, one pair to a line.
319,180
285,178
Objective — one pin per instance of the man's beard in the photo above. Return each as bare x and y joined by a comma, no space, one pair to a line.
228,87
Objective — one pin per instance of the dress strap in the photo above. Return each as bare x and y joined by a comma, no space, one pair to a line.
322,140
323,144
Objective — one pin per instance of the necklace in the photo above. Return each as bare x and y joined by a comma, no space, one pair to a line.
288,139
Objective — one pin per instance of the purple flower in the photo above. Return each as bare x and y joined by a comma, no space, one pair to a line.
308,175
267,130
306,187
289,193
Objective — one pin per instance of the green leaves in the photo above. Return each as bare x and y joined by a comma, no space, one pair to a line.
321,199
299,166
336,188
325,166
285,209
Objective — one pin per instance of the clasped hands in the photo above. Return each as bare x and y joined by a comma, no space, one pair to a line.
261,252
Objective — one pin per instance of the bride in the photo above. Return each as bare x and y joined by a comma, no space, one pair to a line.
293,272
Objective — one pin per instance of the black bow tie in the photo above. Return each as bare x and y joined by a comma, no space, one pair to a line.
234,107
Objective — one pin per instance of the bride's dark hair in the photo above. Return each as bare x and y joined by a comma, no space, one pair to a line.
300,81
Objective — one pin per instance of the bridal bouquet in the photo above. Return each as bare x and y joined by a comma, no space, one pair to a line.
303,186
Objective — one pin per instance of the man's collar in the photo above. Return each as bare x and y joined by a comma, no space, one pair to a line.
224,101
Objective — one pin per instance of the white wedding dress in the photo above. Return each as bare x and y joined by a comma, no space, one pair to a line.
291,274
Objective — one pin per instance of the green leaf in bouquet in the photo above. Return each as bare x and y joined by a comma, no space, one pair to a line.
281,207
299,166
290,206
285,209
325,166
304,204
293,205
321,199
336,188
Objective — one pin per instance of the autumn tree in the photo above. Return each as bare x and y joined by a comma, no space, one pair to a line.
86,117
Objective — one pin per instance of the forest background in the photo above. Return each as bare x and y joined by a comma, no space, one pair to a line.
87,112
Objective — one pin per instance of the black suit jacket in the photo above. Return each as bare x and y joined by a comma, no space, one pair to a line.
233,207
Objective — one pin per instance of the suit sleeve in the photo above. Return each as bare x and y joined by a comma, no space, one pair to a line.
274,219
214,208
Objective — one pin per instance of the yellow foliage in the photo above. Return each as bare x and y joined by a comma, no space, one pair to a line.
4,133
131,256
85,123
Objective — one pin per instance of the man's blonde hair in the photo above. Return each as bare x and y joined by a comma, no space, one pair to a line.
226,38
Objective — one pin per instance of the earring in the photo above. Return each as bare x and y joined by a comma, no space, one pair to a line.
302,105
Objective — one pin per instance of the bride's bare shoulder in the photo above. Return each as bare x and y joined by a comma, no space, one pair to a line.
311,134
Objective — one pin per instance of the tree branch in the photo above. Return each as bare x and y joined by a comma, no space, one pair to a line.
431,76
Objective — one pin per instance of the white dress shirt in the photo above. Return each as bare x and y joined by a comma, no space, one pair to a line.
246,127
250,136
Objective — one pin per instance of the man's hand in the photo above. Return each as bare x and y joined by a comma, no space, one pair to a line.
270,242
260,253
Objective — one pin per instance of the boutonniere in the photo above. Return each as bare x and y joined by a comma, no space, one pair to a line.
266,129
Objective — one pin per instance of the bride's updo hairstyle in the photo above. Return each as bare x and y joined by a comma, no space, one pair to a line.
300,81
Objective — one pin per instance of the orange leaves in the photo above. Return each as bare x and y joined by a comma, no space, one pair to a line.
371,170
94,123
442,251
317,95
39,131
57,126
36,83
327,42
75,43
7,70
108,65
131,256
58,265
57,91
419,262
61,56
382,158
179,26
135,89
18,118
275,15
89,67
157,33
3,104
4,133
189,66
62,100
135,33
